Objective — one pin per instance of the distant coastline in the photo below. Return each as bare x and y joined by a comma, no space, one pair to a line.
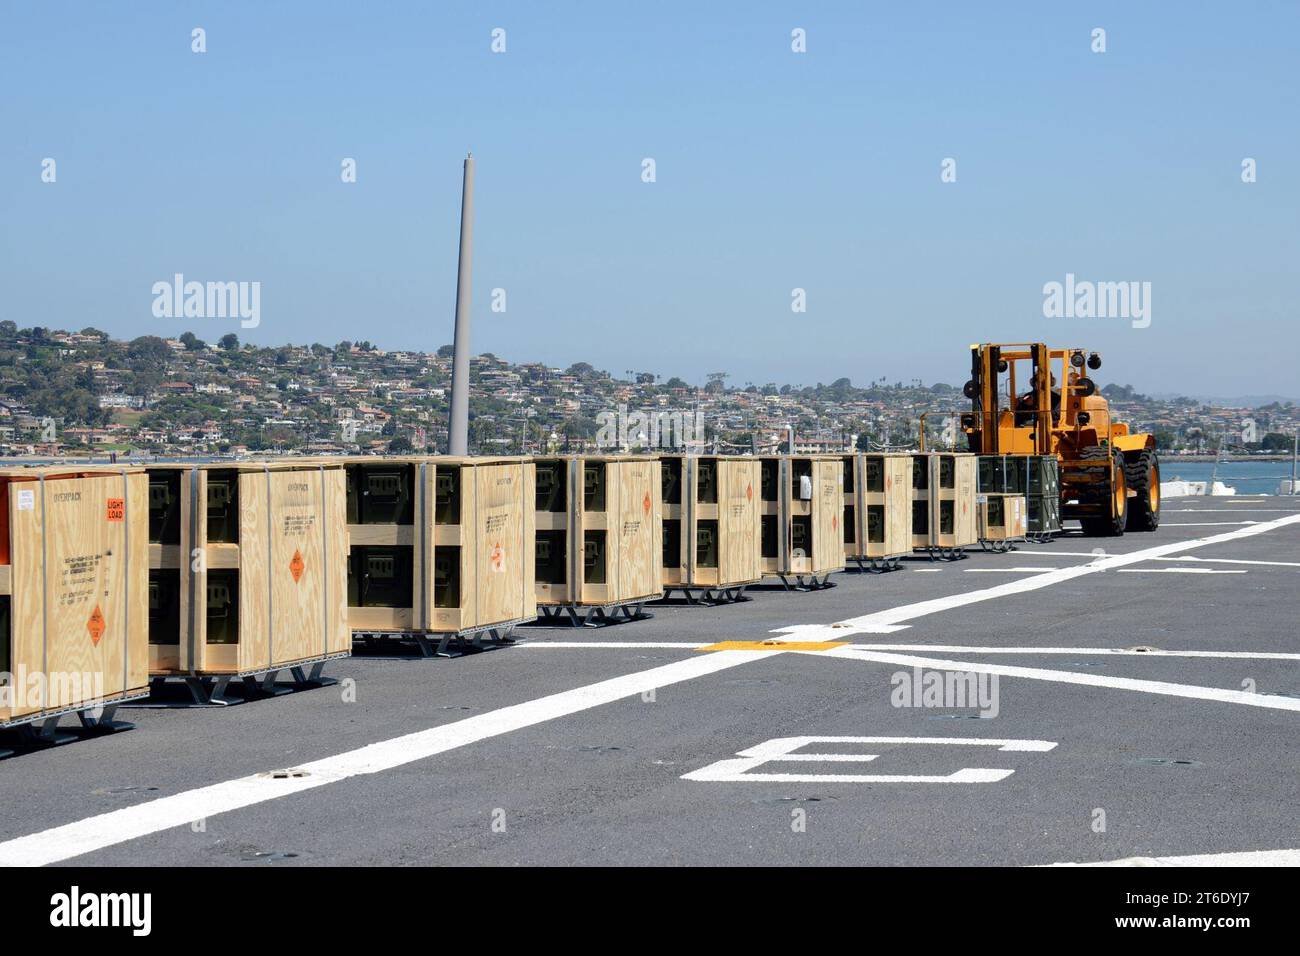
1172,457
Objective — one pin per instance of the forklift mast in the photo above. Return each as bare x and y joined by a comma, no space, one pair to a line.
992,428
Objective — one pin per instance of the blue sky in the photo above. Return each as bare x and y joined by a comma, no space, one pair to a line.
775,170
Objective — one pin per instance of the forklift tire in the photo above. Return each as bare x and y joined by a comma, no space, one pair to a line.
1111,525
1142,472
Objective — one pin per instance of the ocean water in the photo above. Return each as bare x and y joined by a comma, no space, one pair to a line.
1248,477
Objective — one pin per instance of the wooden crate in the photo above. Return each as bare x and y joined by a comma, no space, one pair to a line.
440,544
1000,520
248,567
711,527
599,531
943,502
74,575
802,497
877,508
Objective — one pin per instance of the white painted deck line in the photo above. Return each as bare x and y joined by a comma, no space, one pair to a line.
627,645
1081,651
1162,688
1101,552
1181,557
1188,511
152,816
1201,524
1179,571
964,775
893,619
1243,858
1266,564
743,767
953,649
1006,570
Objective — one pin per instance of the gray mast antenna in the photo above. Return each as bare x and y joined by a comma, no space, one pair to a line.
458,426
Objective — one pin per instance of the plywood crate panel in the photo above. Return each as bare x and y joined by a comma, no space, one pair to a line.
802,504
497,549
248,566
711,525
877,505
599,528
74,579
1001,517
440,544
943,500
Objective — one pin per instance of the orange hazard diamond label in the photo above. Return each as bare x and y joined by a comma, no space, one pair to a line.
297,565
835,522
498,557
749,492
645,503
96,625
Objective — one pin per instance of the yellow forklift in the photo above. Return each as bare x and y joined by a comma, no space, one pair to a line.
1032,400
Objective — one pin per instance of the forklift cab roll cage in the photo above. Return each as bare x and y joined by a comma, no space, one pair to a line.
1026,426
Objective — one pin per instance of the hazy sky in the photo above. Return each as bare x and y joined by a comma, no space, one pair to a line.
775,170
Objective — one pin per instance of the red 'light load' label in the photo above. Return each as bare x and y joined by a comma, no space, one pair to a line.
96,626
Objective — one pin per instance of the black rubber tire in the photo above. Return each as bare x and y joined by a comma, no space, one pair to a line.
1110,526
1140,470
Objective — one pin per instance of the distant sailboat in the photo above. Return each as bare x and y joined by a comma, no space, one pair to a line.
1178,488
1214,486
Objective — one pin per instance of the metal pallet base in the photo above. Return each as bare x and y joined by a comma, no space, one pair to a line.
592,615
446,644
946,554
807,582
42,730
1001,547
878,565
210,690
1041,537
709,596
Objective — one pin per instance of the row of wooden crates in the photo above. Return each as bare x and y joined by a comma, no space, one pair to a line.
257,566
955,500
111,576
895,504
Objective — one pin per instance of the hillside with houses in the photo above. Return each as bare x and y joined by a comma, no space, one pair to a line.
85,393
